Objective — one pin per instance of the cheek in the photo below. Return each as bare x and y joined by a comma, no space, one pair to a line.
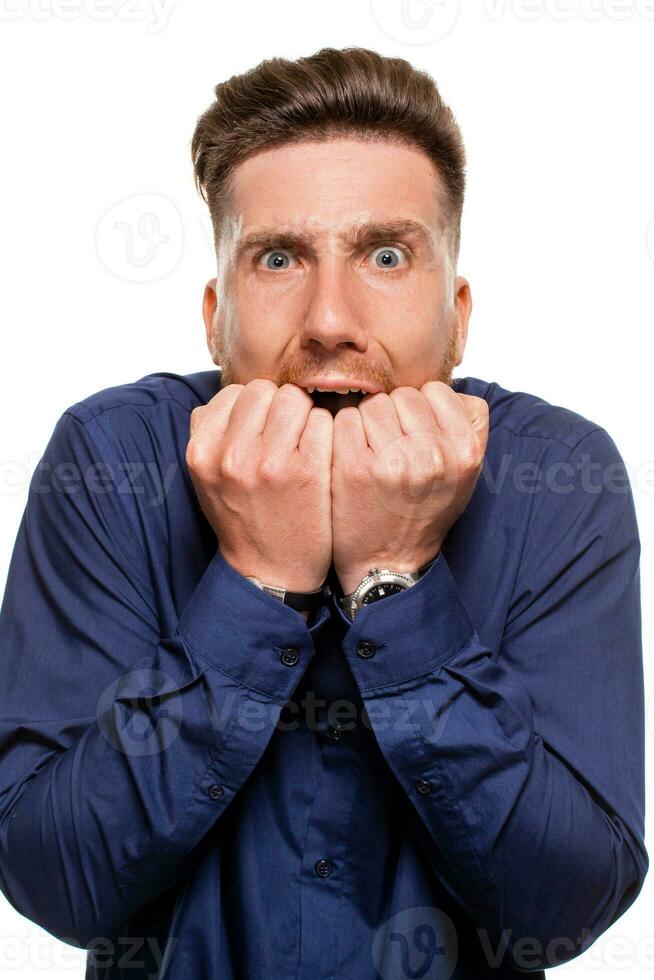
409,328
259,339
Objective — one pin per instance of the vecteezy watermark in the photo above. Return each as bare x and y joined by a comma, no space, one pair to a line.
416,942
152,481
615,952
422,942
143,478
415,21
418,22
129,952
140,238
155,14
141,713
405,483
567,10
37,950
407,715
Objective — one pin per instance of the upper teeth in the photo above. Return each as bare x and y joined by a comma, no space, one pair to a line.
340,391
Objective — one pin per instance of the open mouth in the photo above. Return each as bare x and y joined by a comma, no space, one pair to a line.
333,402
335,391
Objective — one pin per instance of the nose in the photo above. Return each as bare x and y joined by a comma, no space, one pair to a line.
333,318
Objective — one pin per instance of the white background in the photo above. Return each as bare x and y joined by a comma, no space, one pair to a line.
99,102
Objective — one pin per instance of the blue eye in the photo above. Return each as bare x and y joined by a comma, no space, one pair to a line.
387,258
273,261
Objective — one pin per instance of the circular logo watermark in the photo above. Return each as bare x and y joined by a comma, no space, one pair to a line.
415,21
419,942
140,238
403,481
140,713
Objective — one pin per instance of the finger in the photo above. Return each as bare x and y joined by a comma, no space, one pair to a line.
212,419
287,418
350,443
196,416
451,412
413,411
249,414
380,422
479,414
317,438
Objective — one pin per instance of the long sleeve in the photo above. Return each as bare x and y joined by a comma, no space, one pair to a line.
121,748
525,762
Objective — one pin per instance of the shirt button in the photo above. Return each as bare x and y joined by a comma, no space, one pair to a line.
335,732
216,792
290,656
366,649
323,868
424,786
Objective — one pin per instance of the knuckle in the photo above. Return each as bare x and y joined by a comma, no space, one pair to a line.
344,416
229,392
403,391
262,384
434,386
195,418
437,468
427,459
290,388
229,464
324,416
195,456
272,470
469,455
358,478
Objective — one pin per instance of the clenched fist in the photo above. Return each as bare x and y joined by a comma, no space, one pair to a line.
288,489
260,460
404,468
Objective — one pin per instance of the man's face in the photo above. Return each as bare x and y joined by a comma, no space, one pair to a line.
333,262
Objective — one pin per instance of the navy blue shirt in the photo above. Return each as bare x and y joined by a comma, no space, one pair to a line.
197,783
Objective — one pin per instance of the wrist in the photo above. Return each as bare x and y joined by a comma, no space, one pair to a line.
281,578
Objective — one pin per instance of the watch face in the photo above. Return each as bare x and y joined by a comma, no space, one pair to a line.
381,590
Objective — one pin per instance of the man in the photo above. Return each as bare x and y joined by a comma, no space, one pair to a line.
301,683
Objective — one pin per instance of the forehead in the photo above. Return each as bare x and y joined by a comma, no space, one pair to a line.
333,184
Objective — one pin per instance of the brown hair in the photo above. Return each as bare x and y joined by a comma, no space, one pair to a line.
334,92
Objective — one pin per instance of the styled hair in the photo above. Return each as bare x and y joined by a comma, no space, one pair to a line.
332,93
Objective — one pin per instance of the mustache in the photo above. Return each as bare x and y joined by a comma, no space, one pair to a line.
375,374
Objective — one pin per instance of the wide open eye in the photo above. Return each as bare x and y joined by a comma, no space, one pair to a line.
275,259
389,257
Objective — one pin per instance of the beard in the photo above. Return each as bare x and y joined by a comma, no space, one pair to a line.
376,374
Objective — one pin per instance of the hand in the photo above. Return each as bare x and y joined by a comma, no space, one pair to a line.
404,467
259,457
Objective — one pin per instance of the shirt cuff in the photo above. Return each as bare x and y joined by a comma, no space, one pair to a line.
247,633
411,633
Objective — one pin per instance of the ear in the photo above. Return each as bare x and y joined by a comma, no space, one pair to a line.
209,305
462,311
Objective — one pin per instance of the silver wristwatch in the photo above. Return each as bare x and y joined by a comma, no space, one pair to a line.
379,583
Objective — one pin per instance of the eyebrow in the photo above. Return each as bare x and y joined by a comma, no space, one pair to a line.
364,234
